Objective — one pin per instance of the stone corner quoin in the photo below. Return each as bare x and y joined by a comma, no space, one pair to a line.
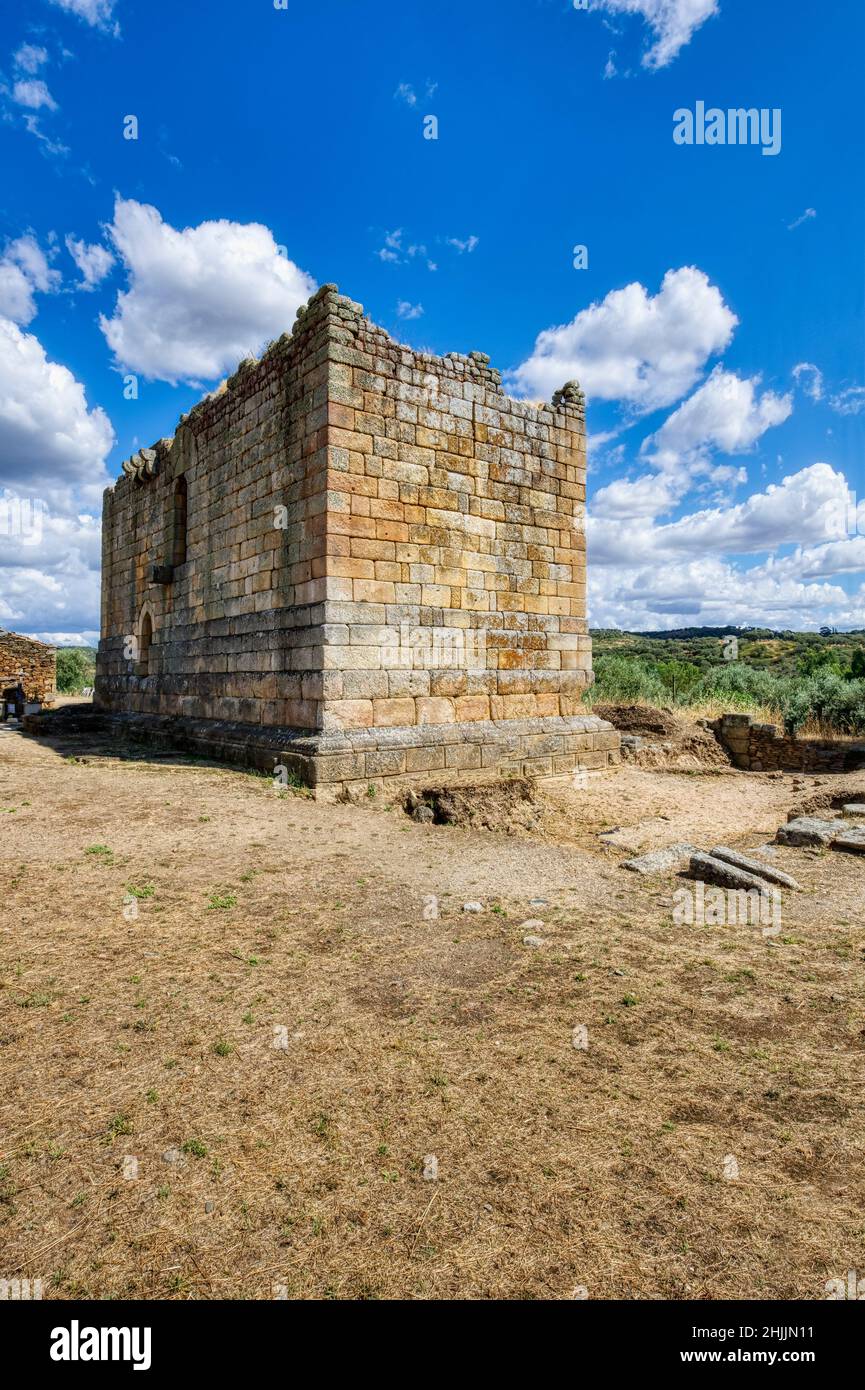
359,560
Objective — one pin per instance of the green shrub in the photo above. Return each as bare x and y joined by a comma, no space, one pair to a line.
624,681
75,669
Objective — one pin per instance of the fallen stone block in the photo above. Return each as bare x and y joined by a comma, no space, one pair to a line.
809,830
854,808
708,869
853,841
661,861
754,866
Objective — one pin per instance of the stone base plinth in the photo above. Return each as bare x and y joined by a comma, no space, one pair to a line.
355,759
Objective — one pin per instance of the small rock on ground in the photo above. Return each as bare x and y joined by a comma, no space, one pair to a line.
809,830
853,841
661,861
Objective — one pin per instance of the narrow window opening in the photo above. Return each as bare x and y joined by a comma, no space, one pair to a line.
178,556
144,644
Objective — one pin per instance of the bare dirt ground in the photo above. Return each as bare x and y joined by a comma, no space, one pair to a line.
232,1028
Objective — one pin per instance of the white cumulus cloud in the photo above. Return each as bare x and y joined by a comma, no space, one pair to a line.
634,347
810,378
645,575
99,13
50,440
53,448
850,401
672,22
24,270
34,94
30,57
199,300
93,261
725,414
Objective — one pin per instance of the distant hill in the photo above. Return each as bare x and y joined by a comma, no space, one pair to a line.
761,647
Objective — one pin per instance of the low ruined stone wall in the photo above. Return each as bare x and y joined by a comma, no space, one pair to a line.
757,747
33,663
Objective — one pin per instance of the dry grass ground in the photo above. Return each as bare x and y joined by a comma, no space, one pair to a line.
128,1034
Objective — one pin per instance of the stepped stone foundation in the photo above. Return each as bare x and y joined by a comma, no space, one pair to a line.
356,562
33,663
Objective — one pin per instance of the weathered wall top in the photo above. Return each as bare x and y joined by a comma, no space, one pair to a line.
568,401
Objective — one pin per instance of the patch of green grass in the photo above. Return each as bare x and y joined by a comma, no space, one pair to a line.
103,853
147,891
223,1048
38,1000
195,1147
222,902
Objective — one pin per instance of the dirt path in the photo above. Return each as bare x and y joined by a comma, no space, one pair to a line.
233,1023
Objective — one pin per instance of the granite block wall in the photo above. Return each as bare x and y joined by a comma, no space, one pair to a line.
351,537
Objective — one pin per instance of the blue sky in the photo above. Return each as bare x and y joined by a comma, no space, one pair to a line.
718,327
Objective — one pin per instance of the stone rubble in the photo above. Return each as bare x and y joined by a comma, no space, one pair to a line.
754,866
708,869
810,830
661,861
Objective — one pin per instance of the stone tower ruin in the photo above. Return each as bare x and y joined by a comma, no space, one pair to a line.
356,562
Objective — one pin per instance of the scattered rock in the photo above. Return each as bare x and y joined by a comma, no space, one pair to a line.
209,1206
430,1168
754,866
473,907
853,841
661,861
808,830
424,814
173,1156
708,869
533,941
533,924
854,808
